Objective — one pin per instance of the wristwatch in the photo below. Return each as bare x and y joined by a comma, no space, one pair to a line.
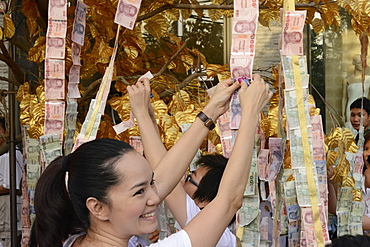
208,122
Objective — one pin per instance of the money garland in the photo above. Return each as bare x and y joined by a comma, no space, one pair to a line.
78,34
126,16
55,69
306,144
241,64
348,172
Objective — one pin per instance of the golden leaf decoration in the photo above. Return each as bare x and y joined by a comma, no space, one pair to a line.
228,13
1,33
348,182
216,69
290,178
106,128
9,28
311,100
331,158
314,111
32,26
273,4
357,195
200,56
217,1
187,60
37,52
122,106
131,51
185,13
187,116
157,26
198,11
268,15
215,14
172,14
349,141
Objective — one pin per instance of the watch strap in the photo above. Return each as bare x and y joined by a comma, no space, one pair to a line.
208,122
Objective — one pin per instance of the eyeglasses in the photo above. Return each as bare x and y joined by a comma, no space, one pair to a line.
188,178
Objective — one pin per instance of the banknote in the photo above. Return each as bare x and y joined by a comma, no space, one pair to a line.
320,167
294,233
55,47
127,11
70,121
358,162
33,174
292,41
342,230
54,88
241,65
123,126
26,234
78,30
243,44
303,194
74,74
251,237
290,193
243,5
73,91
211,148
264,228
357,207
251,186
263,161
276,158
136,143
49,142
225,133
343,217
235,111
355,229
57,28
50,155
54,117
57,9
293,213
249,210
54,68
272,193
76,54
319,152
316,123
72,105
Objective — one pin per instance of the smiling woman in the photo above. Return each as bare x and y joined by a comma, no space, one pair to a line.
104,193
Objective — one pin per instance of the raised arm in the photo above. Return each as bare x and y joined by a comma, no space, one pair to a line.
207,227
174,163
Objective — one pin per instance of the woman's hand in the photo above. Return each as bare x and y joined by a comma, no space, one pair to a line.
140,97
220,99
255,96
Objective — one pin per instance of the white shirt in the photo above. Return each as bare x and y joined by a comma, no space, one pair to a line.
179,239
366,200
4,169
227,239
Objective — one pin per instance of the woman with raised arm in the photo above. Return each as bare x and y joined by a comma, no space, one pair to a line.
104,193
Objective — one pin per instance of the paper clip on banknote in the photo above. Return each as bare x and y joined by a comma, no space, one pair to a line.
241,79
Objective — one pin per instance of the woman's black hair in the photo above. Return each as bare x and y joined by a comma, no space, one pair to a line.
91,173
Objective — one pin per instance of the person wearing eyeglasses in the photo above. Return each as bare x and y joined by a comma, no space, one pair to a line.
199,187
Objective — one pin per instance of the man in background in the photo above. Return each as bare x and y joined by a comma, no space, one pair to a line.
5,231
